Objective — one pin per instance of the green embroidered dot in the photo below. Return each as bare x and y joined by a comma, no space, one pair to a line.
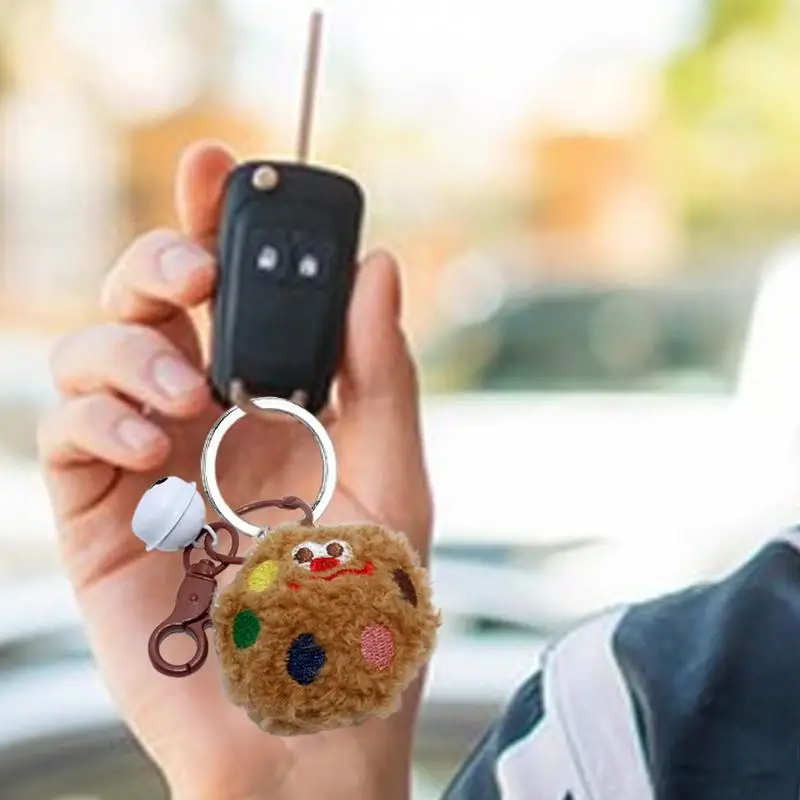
246,628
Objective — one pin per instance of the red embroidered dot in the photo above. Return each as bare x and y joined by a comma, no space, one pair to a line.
377,646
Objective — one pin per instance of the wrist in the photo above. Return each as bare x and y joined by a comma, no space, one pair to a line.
221,782
393,784
217,788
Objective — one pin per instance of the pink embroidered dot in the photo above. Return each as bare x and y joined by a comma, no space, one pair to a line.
377,646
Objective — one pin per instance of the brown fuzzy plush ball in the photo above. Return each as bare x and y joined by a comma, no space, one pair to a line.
324,627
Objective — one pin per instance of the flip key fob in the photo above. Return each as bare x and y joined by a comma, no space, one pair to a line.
288,247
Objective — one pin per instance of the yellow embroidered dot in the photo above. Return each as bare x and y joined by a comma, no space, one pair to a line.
263,576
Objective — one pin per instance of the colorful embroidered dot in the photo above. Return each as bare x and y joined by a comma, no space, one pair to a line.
377,646
305,659
403,581
246,627
263,576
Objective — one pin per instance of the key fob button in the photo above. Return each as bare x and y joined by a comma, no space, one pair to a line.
312,260
269,252
308,266
268,258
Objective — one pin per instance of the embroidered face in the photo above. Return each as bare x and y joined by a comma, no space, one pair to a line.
327,560
314,617
354,553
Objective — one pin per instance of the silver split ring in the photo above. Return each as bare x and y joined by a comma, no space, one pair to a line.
208,460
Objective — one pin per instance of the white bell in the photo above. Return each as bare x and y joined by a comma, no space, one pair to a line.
170,515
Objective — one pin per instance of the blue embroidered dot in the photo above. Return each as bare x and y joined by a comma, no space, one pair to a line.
305,659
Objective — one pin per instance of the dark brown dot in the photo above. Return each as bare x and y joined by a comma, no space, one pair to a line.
303,555
334,549
407,589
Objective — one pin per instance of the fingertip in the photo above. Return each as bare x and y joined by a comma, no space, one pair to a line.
173,386
194,285
146,446
160,271
376,360
206,156
381,256
103,429
378,290
202,171
387,265
192,404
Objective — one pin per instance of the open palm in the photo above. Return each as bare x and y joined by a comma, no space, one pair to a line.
101,452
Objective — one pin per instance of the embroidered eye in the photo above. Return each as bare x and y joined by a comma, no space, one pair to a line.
303,555
309,555
338,549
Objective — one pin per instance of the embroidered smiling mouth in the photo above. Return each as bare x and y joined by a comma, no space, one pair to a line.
365,570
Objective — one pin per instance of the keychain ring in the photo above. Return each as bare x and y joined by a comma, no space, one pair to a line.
213,441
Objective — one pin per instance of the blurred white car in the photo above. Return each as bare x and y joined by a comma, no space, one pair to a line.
644,438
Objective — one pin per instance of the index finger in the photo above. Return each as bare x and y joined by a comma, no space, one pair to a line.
160,274
136,290
199,189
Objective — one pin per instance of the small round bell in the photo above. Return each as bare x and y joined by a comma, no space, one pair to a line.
170,515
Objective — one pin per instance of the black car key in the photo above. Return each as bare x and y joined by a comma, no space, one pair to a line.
287,249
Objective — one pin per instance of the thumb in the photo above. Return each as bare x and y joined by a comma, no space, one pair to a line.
378,398
377,370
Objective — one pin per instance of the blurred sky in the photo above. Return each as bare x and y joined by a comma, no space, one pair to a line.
478,62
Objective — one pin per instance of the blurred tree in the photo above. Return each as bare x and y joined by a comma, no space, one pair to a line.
730,133
599,211
595,202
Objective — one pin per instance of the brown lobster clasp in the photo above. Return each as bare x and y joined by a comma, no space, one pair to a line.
190,617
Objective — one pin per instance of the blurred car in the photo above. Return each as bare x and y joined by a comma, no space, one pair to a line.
605,422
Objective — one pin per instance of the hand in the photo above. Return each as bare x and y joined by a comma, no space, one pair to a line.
101,453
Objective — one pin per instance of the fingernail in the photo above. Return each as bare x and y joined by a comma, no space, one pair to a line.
137,434
179,262
175,378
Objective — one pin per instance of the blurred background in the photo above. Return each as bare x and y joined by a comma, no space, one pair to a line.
596,206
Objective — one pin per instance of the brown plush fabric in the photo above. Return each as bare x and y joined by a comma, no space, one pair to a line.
311,652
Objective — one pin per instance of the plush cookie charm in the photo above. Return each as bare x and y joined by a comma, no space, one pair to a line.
324,627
